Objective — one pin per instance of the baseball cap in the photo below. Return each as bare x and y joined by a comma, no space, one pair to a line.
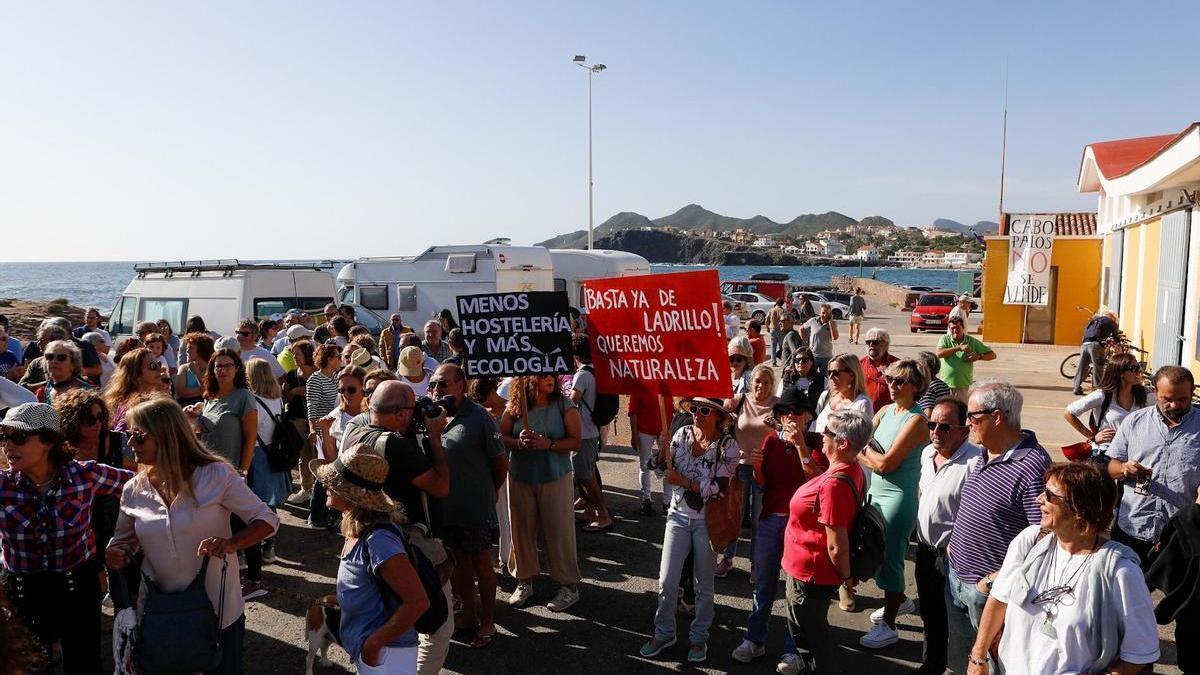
297,331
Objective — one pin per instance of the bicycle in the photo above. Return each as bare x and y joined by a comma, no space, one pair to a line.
1121,345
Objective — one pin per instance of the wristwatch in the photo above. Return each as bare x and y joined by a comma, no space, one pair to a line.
976,662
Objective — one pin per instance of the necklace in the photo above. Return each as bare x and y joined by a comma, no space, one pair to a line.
1052,597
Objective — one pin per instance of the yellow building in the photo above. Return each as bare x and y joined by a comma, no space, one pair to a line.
1150,269
1074,283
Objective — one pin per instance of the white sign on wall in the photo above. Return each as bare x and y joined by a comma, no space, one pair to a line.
1030,244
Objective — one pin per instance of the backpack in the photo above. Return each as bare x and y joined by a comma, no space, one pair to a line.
433,618
607,405
283,452
866,534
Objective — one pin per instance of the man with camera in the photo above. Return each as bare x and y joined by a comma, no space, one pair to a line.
478,468
408,433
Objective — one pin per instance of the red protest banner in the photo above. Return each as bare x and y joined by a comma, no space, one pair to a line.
658,334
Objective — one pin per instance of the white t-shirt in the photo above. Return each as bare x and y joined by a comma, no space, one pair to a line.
419,388
257,352
860,403
1025,646
585,383
732,325
107,368
1112,417
266,426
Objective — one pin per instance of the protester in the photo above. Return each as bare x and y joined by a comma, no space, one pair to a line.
998,501
64,365
781,464
775,326
1120,393
1099,330
901,433
1156,455
50,566
805,311
271,486
816,542
741,361
959,352
100,341
446,318
646,435
412,370
379,591
321,397
433,345
179,507
478,466
157,344
227,421
247,337
961,310
91,323
11,352
339,331
875,365
820,332
295,400
138,375
294,335
700,463
35,366
936,390
267,330
858,313
1068,599
389,340
584,460
332,426
846,389
540,428
171,340
758,345
189,380
801,373
752,416
733,323
945,463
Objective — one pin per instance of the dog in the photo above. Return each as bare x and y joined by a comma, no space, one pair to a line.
321,629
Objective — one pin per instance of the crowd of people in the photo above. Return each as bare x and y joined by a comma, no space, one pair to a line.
161,462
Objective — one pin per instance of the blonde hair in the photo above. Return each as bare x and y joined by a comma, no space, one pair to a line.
850,362
524,390
358,520
262,381
126,381
764,369
179,453
913,371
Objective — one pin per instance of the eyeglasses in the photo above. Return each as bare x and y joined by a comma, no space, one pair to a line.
872,343
224,366
1061,500
137,437
439,384
897,381
944,427
703,410
57,356
14,437
974,415
244,333
348,390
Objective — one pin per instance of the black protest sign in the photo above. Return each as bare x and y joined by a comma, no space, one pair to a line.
526,333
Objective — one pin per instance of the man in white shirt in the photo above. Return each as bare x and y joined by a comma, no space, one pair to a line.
962,310
945,463
247,337
732,323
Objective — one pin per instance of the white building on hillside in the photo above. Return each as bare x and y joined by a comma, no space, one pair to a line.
934,233
792,249
867,254
906,257
833,247
934,257
960,258
765,241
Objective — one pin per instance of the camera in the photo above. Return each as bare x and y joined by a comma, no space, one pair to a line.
425,408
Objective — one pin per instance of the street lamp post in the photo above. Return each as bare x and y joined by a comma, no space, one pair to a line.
581,61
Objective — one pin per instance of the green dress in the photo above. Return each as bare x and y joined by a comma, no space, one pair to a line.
896,494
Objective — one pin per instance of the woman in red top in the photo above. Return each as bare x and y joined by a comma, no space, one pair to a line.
781,465
816,546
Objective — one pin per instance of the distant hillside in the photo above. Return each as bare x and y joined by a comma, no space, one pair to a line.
811,223
696,217
981,227
576,239
986,227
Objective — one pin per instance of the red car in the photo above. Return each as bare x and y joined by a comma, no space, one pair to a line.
932,311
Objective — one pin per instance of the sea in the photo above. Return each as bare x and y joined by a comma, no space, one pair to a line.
98,284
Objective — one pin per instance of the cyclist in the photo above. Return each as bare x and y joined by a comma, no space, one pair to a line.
1101,328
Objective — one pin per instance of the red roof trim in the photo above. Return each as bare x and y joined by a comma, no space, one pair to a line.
1120,157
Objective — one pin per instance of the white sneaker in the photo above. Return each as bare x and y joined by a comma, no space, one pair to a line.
566,597
748,651
906,607
880,636
301,497
790,664
521,595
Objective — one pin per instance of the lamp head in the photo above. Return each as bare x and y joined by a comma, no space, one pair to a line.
579,58
599,67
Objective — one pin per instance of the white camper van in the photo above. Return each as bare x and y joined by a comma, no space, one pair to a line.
221,291
421,286
573,266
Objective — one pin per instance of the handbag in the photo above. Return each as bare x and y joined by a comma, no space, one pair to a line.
723,512
180,633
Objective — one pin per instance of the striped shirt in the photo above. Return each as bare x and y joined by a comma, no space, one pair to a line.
320,395
936,390
999,499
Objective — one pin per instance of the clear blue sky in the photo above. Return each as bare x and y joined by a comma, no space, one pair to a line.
308,129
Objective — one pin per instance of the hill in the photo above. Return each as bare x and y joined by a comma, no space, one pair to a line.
696,217
981,227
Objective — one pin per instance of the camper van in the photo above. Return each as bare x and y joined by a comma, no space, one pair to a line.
573,266
421,286
221,291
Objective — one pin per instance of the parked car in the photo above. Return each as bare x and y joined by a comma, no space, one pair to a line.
840,310
757,304
932,311
739,307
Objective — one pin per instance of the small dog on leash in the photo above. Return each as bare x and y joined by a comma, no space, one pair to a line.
321,629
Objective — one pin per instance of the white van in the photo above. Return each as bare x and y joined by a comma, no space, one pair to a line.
574,266
222,292
418,287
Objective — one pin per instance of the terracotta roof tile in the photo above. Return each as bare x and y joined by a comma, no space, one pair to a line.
1117,158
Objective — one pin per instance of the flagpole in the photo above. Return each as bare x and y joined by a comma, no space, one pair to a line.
1004,142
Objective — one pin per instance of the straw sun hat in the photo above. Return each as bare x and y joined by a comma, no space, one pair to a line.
357,476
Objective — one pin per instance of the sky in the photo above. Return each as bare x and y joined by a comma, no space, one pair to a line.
270,129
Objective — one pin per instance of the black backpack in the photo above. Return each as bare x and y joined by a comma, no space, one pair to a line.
866,534
607,405
433,618
283,452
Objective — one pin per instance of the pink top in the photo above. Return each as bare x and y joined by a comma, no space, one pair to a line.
169,536
752,426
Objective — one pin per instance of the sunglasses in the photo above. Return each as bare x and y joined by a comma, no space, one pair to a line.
348,390
14,437
438,384
834,372
368,391
872,343
735,358
803,359
944,427
789,410
244,333
88,419
1061,500
59,356
137,437
976,414
1132,368
703,410
898,381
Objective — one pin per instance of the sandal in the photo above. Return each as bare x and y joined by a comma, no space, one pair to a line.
595,526
481,641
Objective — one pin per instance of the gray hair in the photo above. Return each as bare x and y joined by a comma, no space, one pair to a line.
94,338
878,334
70,348
851,425
1000,395
825,305
932,364
60,321
52,332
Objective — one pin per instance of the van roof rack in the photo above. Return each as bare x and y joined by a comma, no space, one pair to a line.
225,265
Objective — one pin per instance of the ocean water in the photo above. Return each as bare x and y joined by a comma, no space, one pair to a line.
98,284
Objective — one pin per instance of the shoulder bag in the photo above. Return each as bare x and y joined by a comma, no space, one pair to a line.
180,633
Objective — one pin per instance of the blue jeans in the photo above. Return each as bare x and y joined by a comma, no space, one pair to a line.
768,554
777,344
684,535
964,607
751,503
822,363
1090,354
